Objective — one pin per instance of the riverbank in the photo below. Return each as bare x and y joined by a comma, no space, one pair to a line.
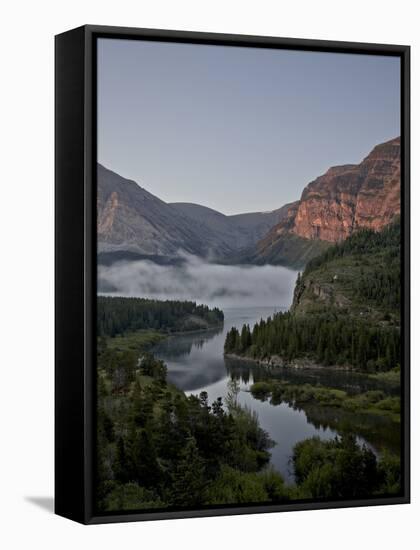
371,402
144,340
301,363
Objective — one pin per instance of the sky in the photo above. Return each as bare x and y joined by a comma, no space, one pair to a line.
238,129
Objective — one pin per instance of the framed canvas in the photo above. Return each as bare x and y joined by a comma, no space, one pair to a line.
232,274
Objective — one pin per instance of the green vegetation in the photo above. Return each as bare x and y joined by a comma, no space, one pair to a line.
286,249
341,469
391,378
159,448
121,315
327,339
134,341
345,310
373,401
360,276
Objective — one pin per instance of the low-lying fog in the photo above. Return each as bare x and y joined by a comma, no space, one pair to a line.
216,285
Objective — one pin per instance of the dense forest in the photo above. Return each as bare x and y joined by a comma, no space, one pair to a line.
327,339
158,448
120,315
345,310
359,276
340,468
364,241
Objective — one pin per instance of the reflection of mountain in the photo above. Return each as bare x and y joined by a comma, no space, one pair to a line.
190,379
186,368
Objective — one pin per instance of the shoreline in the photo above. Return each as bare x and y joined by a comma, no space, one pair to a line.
300,364
195,331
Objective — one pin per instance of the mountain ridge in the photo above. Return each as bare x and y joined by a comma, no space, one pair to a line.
333,206
134,222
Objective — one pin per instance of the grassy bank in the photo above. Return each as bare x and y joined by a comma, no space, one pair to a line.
137,341
374,401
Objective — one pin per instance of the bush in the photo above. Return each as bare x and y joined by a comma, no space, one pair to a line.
335,469
390,474
238,487
261,390
391,404
131,496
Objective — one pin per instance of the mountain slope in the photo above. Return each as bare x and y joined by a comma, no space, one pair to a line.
132,219
234,232
347,198
134,224
345,312
359,278
335,205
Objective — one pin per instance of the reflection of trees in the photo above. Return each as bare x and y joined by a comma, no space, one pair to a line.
244,371
181,345
351,382
380,431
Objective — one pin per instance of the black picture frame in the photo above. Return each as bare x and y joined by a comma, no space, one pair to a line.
75,265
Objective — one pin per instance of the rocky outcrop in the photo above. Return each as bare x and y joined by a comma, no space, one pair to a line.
335,205
350,197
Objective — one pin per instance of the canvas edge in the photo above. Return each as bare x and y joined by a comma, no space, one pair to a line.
85,514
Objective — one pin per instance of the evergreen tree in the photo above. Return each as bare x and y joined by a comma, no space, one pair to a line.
189,481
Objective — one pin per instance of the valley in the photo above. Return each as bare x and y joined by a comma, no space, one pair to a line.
225,375
134,224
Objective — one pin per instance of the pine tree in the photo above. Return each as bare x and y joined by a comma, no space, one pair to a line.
188,480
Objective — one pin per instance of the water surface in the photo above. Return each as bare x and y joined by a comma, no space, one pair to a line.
196,363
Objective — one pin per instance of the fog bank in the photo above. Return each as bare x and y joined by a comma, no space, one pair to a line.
216,285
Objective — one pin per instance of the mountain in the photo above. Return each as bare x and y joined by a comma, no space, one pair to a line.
131,219
335,205
134,224
231,232
347,198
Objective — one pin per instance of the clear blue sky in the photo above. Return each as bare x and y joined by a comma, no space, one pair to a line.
238,129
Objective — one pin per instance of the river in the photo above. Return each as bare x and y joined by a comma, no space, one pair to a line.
196,363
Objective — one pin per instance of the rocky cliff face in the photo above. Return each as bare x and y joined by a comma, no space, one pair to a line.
335,205
346,198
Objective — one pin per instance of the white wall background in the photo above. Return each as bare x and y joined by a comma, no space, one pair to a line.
26,273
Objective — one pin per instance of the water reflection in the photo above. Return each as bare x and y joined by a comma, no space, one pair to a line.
180,346
196,363
350,382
